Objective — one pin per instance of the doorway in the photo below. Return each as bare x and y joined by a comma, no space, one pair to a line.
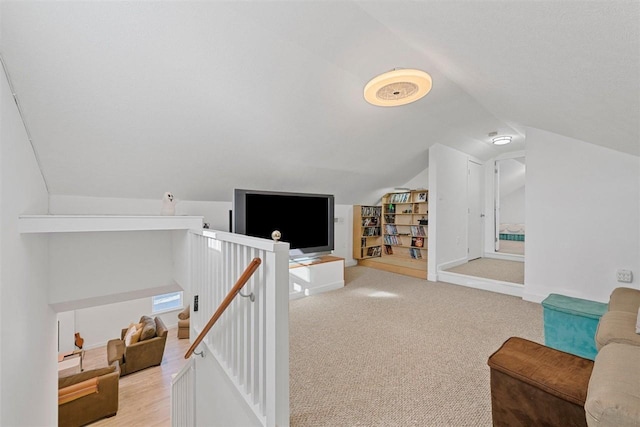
509,223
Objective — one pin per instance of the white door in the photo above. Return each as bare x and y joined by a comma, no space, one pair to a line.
475,217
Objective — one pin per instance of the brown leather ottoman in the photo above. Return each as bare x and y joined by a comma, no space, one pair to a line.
534,385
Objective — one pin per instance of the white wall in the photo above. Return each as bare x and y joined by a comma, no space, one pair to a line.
99,324
94,268
583,216
447,207
419,181
512,207
28,373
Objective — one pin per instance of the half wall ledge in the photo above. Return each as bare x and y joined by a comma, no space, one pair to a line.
97,223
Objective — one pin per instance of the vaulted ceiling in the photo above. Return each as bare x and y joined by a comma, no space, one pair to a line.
130,99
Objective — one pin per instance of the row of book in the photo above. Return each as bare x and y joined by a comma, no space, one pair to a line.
371,210
374,251
418,230
413,253
371,231
370,222
392,240
399,197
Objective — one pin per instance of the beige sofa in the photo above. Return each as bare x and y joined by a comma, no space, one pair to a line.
88,396
613,395
143,354
534,385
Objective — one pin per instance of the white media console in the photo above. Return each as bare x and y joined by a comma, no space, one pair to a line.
315,275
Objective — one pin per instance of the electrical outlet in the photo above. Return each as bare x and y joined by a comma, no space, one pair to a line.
625,276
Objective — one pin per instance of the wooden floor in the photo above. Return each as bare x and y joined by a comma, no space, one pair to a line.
144,397
406,266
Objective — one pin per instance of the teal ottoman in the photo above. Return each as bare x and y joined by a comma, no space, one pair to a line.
570,324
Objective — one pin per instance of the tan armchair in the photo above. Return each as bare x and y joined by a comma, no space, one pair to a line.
143,354
184,323
88,396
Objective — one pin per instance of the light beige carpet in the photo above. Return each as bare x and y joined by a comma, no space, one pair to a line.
496,269
391,350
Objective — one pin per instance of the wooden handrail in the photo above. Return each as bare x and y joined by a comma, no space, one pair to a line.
246,275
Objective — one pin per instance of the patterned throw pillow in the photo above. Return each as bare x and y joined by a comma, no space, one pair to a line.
130,332
148,328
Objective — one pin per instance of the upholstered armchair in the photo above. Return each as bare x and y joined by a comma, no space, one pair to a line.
184,323
146,352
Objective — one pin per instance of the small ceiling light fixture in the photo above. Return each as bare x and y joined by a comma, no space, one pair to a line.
397,87
501,140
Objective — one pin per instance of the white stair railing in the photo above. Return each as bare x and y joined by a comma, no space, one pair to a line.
250,340
183,396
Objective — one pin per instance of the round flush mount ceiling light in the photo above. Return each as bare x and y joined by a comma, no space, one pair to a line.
397,87
501,140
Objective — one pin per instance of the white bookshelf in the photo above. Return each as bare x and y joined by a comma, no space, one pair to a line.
97,223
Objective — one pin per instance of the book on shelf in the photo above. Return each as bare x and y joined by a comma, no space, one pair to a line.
390,229
391,240
399,197
418,230
422,197
390,219
388,250
371,231
415,253
417,242
371,210
374,251
370,222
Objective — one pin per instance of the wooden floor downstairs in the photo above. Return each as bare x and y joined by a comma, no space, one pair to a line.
144,396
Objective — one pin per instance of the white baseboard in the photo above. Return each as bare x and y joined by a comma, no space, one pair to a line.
324,288
507,257
451,264
491,285
316,290
527,296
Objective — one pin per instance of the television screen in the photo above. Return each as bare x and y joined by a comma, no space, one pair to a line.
305,221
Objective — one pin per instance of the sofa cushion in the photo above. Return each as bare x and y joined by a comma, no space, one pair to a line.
131,331
625,299
613,396
83,376
617,326
148,328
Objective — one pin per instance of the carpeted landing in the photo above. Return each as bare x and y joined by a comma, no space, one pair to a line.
391,350
490,268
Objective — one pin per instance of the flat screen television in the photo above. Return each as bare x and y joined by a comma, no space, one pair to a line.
304,220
